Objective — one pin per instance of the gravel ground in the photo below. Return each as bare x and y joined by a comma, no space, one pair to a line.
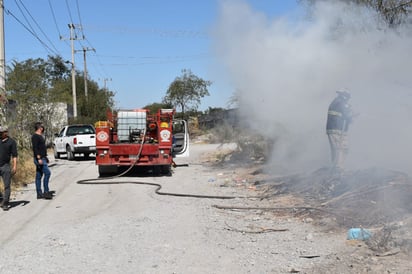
127,228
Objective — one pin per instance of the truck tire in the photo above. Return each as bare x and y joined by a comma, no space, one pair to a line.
56,154
70,154
105,171
166,170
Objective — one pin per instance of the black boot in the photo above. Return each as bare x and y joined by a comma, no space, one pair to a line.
47,195
5,206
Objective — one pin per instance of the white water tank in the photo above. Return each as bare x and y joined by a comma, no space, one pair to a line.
130,121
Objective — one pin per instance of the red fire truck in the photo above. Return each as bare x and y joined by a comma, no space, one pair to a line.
137,138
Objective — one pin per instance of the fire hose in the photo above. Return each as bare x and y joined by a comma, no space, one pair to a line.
104,181
158,187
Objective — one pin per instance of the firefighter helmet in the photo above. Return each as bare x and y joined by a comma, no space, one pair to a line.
344,93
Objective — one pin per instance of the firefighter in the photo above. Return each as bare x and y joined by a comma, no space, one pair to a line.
339,118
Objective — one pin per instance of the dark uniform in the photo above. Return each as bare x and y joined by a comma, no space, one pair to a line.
8,150
339,118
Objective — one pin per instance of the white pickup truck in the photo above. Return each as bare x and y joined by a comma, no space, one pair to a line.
75,139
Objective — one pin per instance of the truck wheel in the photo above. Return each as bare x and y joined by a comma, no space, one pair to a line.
70,154
105,171
56,154
166,170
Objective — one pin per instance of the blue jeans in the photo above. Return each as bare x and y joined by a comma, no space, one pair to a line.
42,170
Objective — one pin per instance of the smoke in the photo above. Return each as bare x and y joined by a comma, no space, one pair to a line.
287,70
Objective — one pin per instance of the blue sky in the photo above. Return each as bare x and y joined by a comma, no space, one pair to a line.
140,46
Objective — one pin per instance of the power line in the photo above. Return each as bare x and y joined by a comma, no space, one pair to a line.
101,67
54,19
148,63
55,23
51,51
70,13
182,33
38,26
24,16
90,44
191,56
80,18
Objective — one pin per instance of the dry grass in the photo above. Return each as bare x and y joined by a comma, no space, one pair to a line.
25,171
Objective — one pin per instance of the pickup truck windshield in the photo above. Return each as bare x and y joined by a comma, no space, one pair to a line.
79,130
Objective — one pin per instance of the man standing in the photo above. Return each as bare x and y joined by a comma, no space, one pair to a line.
8,151
339,118
41,161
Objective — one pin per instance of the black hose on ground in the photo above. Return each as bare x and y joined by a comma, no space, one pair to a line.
99,181
103,181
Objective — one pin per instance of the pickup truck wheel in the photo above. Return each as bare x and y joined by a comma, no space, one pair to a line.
56,154
70,154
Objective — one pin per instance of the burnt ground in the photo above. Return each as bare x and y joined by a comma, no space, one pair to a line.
371,197
375,199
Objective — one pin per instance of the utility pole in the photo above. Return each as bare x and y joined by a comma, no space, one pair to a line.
104,82
73,37
72,27
85,69
104,85
2,58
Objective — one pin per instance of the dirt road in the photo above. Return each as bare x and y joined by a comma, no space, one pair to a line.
127,228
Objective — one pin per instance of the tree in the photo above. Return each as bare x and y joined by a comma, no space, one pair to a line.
394,12
154,107
36,87
187,91
28,86
234,100
93,107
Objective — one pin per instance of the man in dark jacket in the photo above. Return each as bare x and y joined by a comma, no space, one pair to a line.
339,118
8,152
41,161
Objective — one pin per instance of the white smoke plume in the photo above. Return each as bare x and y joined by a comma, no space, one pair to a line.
288,69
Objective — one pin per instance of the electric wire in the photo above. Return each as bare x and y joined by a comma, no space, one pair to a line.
24,16
54,20
80,18
69,11
164,33
35,22
57,26
48,49
101,69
